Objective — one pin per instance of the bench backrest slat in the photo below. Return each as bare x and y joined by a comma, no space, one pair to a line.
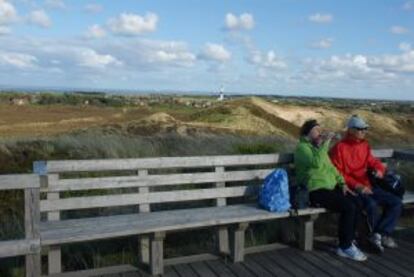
144,198
155,180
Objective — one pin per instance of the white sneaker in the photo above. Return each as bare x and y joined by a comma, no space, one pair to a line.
388,242
352,253
376,241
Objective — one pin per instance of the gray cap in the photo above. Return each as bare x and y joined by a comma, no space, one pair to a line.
356,122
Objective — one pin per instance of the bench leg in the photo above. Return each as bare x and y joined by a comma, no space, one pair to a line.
54,259
157,253
223,240
237,242
144,250
306,232
33,265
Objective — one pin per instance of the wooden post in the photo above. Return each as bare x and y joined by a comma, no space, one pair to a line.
144,241
222,232
32,230
306,232
157,253
54,253
237,242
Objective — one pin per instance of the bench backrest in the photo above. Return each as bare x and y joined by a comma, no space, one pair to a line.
146,181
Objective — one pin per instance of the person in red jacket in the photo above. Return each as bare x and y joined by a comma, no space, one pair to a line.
353,158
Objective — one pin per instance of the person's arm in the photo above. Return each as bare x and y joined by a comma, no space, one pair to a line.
306,157
337,160
374,163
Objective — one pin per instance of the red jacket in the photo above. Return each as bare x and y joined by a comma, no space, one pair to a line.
352,158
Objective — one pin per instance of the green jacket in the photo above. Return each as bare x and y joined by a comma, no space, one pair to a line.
314,168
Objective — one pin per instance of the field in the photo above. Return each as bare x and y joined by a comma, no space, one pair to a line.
85,126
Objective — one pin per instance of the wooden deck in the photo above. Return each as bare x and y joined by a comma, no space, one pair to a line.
293,262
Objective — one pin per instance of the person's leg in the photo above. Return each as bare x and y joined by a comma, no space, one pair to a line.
392,206
334,200
370,207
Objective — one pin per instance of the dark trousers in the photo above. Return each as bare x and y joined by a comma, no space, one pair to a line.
345,205
391,209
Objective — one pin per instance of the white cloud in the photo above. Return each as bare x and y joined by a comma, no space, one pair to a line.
404,46
133,24
215,52
323,43
4,30
8,13
93,8
321,18
408,6
18,60
399,30
267,60
40,18
56,4
403,62
90,58
243,22
95,31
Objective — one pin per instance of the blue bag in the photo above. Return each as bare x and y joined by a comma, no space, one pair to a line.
274,193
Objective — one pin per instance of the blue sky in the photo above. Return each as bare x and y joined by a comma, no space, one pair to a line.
358,49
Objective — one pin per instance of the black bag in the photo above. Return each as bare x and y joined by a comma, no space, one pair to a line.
391,183
299,196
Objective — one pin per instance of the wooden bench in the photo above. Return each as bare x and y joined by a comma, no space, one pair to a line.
212,182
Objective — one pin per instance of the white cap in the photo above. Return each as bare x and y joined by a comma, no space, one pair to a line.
356,122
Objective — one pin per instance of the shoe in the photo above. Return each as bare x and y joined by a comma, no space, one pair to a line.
352,253
376,242
389,242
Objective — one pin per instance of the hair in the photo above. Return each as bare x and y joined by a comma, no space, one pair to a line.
307,126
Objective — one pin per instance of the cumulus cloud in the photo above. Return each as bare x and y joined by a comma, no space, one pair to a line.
90,58
95,31
244,21
8,13
403,63
56,4
323,43
132,24
267,60
399,30
40,18
321,18
17,60
93,8
215,52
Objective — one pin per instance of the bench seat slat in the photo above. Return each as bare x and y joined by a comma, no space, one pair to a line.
76,230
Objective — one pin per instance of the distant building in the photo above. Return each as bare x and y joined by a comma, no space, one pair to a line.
221,94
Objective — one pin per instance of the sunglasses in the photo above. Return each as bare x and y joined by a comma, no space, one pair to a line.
361,129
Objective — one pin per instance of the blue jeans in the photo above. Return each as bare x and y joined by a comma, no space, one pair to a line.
381,223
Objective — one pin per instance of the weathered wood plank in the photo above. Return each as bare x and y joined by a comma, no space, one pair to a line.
220,269
269,265
54,255
97,271
19,181
165,162
237,241
202,270
157,253
306,232
32,229
155,180
123,225
144,241
13,248
77,203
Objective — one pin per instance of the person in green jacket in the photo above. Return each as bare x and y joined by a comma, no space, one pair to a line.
326,185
